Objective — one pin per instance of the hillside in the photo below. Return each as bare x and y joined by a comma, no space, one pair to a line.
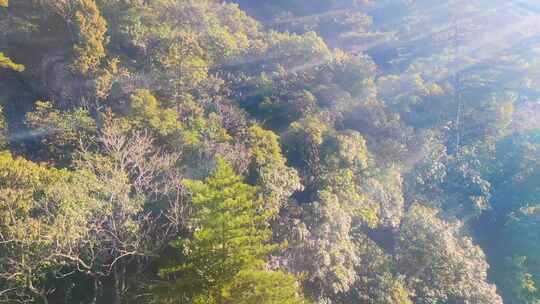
268,152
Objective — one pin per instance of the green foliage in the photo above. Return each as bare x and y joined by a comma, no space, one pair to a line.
229,215
296,51
384,196
146,111
393,291
522,282
6,63
268,168
383,160
90,29
281,110
346,150
184,39
333,251
185,127
345,186
267,287
228,248
61,132
302,142
449,267
522,285
45,215
414,98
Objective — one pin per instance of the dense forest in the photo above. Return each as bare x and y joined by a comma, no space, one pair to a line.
270,152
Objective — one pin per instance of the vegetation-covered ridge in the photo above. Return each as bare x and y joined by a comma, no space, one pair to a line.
269,152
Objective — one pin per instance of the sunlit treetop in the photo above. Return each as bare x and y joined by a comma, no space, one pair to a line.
7,63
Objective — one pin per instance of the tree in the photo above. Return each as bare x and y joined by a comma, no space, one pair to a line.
147,113
326,251
90,29
60,132
114,212
268,169
182,40
141,208
385,189
6,63
516,207
265,287
226,254
522,283
44,219
439,263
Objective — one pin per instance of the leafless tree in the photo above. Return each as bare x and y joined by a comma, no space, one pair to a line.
142,206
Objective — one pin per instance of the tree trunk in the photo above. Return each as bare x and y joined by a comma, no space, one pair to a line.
43,297
117,296
96,291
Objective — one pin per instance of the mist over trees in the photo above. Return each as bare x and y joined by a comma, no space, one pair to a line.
299,151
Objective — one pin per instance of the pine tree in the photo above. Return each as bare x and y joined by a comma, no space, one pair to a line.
263,287
228,247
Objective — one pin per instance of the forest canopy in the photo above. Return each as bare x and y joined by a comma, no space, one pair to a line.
269,152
